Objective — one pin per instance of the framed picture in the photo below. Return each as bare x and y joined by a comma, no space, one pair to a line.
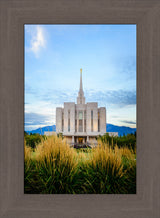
14,15
80,124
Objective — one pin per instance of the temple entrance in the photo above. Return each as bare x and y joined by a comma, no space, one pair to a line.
80,140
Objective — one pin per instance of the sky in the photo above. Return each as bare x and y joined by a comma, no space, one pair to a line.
54,55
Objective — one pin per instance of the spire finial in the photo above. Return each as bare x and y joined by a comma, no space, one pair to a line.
81,98
81,88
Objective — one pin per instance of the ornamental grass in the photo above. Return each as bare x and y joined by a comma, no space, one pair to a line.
53,167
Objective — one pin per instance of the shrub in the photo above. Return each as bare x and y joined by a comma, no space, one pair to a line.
104,172
128,140
55,167
29,172
33,139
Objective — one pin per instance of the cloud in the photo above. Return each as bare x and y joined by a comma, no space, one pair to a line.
37,40
114,97
128,122
118,98
32,119
111,99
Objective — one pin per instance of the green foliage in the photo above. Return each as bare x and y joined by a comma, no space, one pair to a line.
30,177
130,169
84,150
128,140
99,179
25,133
60,135
33,139
58,169
55,177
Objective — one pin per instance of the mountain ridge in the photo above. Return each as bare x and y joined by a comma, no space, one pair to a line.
122,130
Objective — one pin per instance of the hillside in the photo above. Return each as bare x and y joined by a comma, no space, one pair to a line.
122,130
43,129
110,128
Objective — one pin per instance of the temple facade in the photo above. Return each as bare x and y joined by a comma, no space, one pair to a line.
81,122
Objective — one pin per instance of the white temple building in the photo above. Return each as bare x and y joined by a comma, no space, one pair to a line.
81,122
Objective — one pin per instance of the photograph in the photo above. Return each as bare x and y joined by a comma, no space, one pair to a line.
80,108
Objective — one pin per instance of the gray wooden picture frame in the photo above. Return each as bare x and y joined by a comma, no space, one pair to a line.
13,15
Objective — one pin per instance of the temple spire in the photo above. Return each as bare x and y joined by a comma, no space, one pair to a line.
81,98
81,87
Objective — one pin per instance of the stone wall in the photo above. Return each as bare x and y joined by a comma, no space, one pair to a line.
58,119
102,111
113,133
69,106
49,133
